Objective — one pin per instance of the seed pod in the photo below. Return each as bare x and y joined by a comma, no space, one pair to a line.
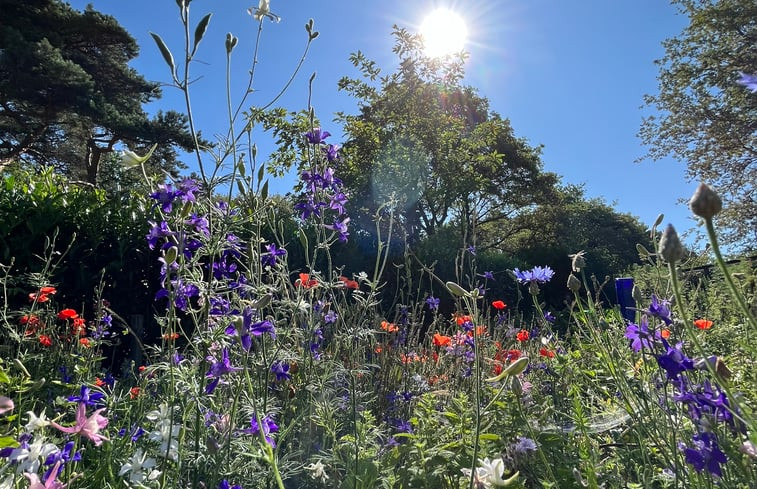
573,283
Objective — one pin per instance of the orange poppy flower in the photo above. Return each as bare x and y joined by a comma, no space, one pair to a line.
703,324
390,327
170,337
48,290
441,340
99,382
84,342
134,392
499,305
522,335
350,284
546,353
665,333
462,319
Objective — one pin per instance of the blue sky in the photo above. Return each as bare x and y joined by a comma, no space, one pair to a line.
568,75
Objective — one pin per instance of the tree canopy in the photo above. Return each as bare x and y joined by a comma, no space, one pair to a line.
68,95
706,118
434,146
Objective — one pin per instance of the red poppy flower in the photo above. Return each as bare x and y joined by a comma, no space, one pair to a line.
48,290
99,382
306,282
45,340
350,284
84,342
441,340
546,353
461,319
513,355
35,296
134,392
499,305
170,337
665,333
32,320
522,335
703,324
68,314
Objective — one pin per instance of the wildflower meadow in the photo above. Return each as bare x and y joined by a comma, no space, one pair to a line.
269,360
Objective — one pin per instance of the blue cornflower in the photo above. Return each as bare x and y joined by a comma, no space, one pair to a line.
272,253
524,445
316,136
749,81
705,454
281,369
660,309
88,397
539,275
432,303
641,336
268,425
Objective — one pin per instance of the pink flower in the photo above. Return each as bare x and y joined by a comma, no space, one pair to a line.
50,483
6,404
87,427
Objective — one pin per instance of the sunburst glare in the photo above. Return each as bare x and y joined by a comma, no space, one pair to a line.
444,32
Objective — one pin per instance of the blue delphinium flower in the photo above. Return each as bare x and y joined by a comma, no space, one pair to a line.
281,369
747,80
549,317
674,361
660,309
705,454
218,369
641,336
88,396
539,275
316,136
272,253
268,425
432,303
225,485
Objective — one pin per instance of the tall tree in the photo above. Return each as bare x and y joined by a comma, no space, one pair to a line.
67,94
434,146
707,119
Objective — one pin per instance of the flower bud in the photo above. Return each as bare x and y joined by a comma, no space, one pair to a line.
670,247
457,290
705,202
636,293
574,284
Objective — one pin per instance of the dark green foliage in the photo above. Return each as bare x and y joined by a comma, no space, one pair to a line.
68,95
707,119
104,238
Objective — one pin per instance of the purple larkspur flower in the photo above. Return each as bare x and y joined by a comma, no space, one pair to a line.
272,253
330,317
340,227
316,136
660,309
488,275
268,426
332,152
199,223
218,369
88,396
281,370
157,231
164,197
549,317
747,80
432,303
225,484
705,454
674,361
337,202
641,336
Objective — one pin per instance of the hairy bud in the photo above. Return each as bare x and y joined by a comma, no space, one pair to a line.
573,283
670,247
705,202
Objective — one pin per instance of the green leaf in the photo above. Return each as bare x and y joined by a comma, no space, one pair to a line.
165,52
202,26
4,377
264,191
8,441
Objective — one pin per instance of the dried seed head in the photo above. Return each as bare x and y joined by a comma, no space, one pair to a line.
579,261
670,247
705,202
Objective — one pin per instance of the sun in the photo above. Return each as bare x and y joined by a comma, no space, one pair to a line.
443,32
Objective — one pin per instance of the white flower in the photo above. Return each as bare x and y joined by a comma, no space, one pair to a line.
29,457
317,471
489,473
263,10
138,464
36,422
130,159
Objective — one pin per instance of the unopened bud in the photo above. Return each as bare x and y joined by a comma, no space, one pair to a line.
670,247
636,293
705,202
574,284
456,289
